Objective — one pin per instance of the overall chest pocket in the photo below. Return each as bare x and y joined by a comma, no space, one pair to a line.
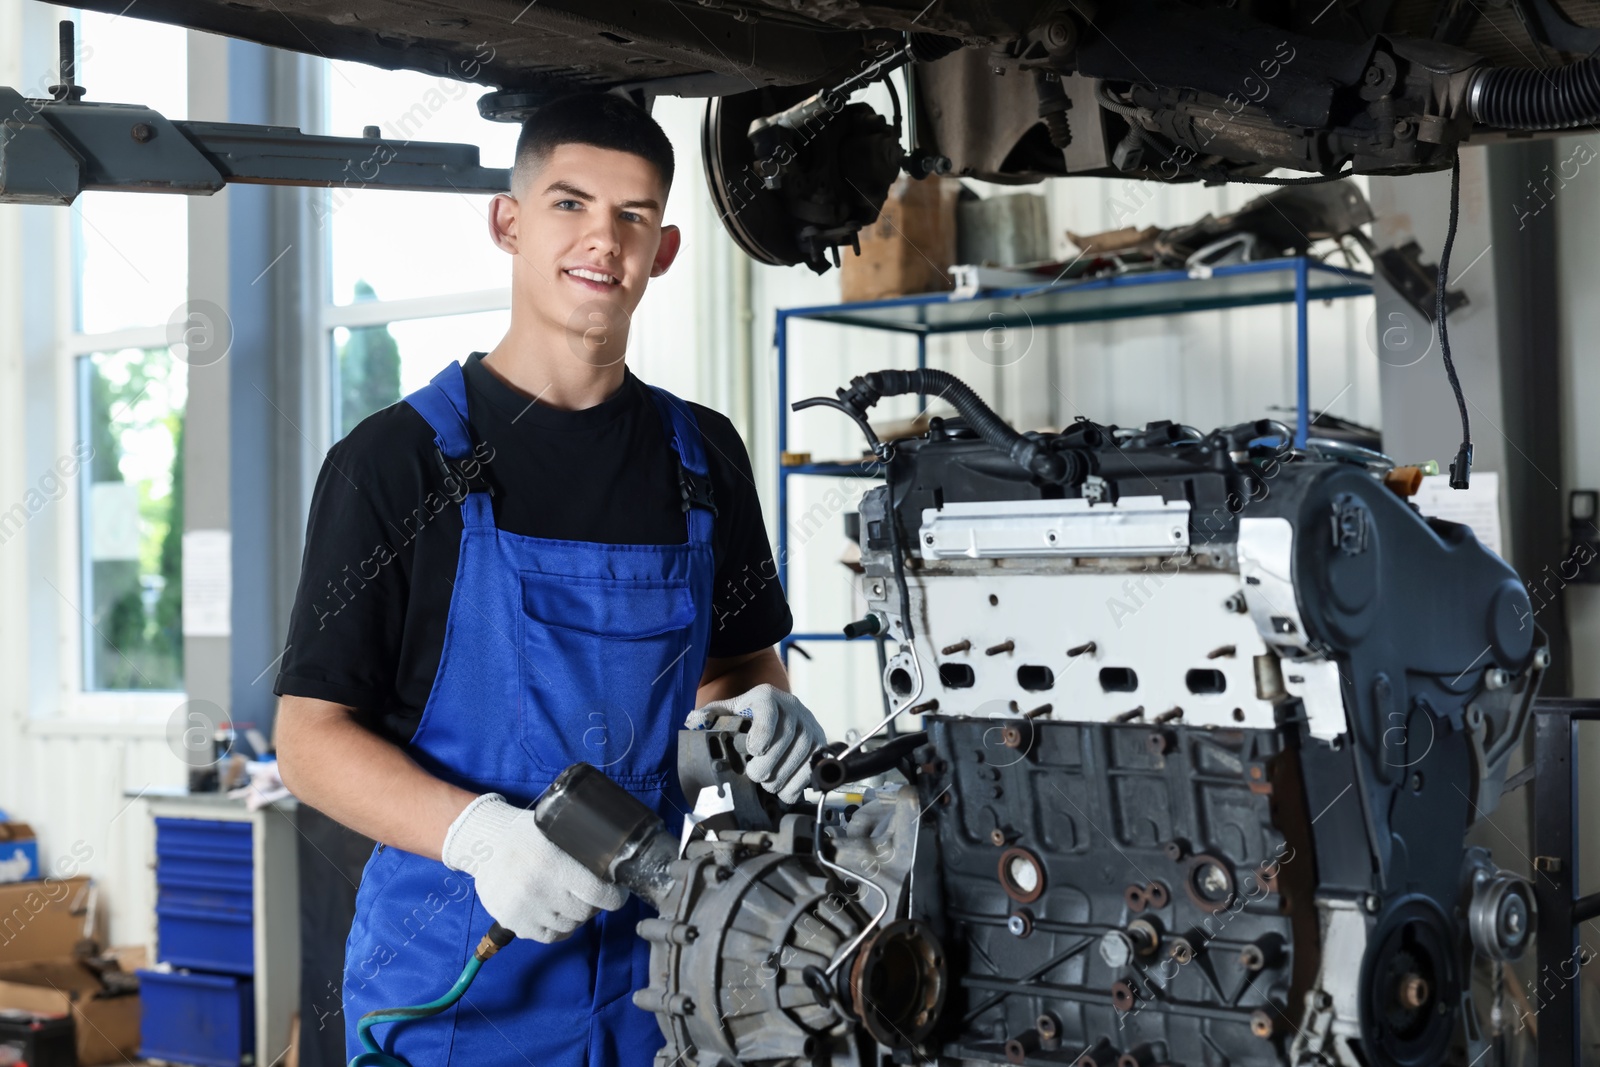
601,664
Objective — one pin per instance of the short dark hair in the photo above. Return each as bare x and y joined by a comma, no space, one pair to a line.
603,120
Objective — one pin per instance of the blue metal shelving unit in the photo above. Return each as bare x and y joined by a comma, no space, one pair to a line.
1296,280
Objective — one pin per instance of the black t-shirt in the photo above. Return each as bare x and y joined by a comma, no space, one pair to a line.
367,629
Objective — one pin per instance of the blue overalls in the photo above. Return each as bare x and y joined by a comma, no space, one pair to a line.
554,652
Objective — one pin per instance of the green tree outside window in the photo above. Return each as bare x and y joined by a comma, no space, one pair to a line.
369,369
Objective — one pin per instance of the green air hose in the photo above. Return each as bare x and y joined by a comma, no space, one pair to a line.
496,939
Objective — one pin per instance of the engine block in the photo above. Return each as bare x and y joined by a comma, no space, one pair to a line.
1201,722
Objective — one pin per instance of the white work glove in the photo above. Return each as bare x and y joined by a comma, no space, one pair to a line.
783,735
527,884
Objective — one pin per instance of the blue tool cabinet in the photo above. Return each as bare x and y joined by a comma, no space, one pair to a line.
226,927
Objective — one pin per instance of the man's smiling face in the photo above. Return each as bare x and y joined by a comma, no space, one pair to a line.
585,226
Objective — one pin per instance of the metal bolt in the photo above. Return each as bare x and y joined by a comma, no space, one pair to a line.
1541,658
1495,678
1251,958
1116,948
68,91
142,131
1261,1024
1402,128
1372,902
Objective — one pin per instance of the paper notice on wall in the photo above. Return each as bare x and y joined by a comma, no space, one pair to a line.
207,583
1477,507
113,521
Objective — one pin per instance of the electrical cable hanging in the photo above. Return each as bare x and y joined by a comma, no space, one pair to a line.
1461,466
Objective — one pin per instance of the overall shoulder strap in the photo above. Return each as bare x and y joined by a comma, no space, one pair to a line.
694,478
443,403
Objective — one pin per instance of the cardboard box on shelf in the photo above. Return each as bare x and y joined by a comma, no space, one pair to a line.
107,1026
42,920
19,851
911,246
1012,230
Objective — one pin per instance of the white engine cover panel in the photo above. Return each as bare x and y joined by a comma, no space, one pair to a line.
1161,623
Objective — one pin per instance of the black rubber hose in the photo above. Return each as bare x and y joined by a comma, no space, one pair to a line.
1524,98
831,772
1031,455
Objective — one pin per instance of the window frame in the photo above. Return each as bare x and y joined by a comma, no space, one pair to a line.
373,313
63,568
368,313
68,572
75,699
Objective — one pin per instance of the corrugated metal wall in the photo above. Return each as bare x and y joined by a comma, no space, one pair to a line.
78,786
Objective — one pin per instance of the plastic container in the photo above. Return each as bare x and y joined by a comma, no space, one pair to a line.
204,1019
35,1040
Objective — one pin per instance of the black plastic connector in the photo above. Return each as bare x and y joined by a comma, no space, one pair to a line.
1461,467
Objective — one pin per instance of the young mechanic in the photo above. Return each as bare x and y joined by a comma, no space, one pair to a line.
532,561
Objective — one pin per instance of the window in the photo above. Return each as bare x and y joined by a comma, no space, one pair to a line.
130,248
129,255
414,281
132,508
377,365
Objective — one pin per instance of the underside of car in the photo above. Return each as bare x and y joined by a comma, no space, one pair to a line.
1011,91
